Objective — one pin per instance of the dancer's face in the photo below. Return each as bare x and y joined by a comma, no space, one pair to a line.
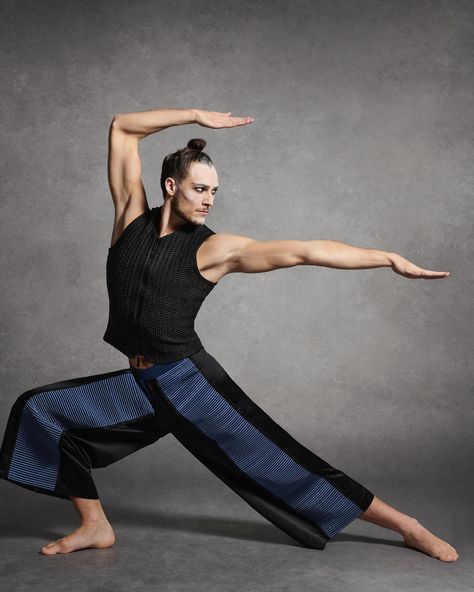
195,193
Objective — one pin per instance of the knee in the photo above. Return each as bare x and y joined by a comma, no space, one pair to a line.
24,400
30,408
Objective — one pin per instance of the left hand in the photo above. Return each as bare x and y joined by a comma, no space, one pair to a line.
407,269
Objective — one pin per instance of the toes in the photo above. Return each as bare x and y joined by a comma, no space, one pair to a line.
449,557
48,550
50,546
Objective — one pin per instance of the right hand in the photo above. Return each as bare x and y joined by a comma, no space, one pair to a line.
408,269
216,119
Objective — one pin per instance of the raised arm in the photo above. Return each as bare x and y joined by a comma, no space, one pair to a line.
124,166
234,253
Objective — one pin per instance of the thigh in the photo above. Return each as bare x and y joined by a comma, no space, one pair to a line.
85,422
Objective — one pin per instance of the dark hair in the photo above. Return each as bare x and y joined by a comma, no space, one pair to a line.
176,164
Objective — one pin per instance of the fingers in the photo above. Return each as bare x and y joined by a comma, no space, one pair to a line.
431,275
424,274
241,120
435,274
232,121
225,117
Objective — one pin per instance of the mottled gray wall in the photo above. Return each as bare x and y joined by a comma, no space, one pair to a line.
363,133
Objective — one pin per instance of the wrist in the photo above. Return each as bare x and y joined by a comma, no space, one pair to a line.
391,258
193,116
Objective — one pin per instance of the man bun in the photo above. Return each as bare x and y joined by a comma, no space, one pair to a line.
197,144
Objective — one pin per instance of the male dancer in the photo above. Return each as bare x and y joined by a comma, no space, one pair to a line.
162,263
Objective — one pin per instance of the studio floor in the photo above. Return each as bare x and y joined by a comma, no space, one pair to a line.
206,538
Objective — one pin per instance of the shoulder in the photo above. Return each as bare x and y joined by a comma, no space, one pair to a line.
227,240
222,246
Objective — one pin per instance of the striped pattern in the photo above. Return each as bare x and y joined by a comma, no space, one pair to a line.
103,402
254,453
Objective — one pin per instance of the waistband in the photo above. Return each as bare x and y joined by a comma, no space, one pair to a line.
152,371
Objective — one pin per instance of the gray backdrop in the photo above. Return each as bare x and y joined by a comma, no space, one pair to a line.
363,133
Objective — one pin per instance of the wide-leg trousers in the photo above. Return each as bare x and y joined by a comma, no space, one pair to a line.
57,433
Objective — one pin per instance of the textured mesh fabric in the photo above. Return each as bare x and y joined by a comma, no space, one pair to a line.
155,290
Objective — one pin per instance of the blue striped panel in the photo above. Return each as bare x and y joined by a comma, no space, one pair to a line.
253,452
46,415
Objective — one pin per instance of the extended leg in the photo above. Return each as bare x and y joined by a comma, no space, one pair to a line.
284,481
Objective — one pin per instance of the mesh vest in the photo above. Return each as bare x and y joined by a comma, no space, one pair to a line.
155,290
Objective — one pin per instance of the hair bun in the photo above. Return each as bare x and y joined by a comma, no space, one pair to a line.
197,144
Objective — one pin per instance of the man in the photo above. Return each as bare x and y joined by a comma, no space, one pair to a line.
162,263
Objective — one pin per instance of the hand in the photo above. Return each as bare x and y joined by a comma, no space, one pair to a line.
216,119
410,270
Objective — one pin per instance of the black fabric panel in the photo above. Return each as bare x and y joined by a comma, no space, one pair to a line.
86,448
275,510
225,385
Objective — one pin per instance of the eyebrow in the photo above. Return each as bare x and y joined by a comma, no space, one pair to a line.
206,186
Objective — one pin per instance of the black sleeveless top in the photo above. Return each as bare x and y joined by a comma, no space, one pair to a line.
155,290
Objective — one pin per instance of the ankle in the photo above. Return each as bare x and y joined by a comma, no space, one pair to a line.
93,519
407,526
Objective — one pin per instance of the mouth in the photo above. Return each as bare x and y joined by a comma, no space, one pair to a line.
203,211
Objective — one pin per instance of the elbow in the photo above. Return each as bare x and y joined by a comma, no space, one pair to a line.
305,253
115,123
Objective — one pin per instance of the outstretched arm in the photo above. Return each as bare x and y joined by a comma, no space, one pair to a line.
247,255
331,253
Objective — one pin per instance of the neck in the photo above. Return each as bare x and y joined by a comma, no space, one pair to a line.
168,222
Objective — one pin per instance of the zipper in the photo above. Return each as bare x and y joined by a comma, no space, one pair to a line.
137,310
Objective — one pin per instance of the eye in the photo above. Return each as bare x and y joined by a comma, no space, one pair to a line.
199,189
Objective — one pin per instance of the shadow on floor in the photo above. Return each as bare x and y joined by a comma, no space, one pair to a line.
17,521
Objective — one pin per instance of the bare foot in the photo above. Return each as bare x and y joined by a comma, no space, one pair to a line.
418,537
91,535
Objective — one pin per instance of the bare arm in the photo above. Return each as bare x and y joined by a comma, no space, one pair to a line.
234,253
264,256
144,123
124,166
330,253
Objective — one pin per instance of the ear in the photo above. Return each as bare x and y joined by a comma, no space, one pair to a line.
171,186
